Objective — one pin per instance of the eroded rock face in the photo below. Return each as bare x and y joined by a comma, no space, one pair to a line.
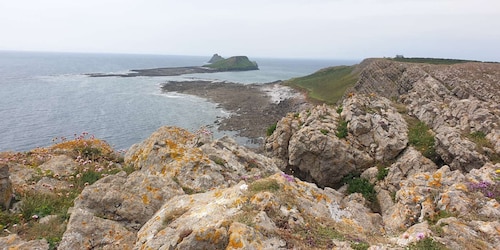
309,144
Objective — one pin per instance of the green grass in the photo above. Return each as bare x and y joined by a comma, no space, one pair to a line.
420,137
427,244
326,85
431,60
264,185
234,63
271,129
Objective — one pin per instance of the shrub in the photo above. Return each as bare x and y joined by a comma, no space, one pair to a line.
340,109
382,172
362,186
342,129
271,129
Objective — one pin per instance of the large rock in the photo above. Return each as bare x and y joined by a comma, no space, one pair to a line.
307,144
460,153
170,163
459,214
270,213
59,166
13,241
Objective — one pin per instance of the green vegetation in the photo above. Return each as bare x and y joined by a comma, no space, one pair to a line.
235,63
420,137
324,131
430,60
270,129
360,185
382,172
327,85
360,245
342,129
439,215
427,244
264,185
479,138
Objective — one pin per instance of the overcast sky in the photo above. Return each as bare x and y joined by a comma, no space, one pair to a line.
335,29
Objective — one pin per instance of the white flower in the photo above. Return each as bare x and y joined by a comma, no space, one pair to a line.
244,187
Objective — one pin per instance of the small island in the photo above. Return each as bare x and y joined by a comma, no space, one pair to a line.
215,64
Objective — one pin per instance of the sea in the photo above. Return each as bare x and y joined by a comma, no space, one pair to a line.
46,96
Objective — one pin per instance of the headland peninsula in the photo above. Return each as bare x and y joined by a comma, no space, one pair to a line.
216,64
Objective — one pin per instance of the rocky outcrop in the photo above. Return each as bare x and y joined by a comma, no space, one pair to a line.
455,101
323,146
171,162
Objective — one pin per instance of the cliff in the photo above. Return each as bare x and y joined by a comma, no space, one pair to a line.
409,159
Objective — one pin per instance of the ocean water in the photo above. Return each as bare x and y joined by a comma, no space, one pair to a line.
49,95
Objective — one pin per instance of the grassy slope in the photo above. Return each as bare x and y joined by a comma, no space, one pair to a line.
326,85
234,63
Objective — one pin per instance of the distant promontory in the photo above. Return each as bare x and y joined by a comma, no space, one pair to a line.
215,64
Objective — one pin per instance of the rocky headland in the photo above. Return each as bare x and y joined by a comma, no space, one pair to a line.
409,158
216,64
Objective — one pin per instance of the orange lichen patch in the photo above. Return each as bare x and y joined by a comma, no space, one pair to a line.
235,241
320,197
145,199
427,177
352,224
436,182
218,193
211,235
239,201
462,187
84,143
416,198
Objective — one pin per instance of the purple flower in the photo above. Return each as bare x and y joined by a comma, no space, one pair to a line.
289,178
420,236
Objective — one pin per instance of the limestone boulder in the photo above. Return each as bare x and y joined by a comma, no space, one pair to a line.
457,151
59,166
310,146
86,230
271,213
13,241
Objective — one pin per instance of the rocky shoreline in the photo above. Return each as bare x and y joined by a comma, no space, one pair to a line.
253,107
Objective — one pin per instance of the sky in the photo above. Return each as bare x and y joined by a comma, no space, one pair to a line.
323,29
